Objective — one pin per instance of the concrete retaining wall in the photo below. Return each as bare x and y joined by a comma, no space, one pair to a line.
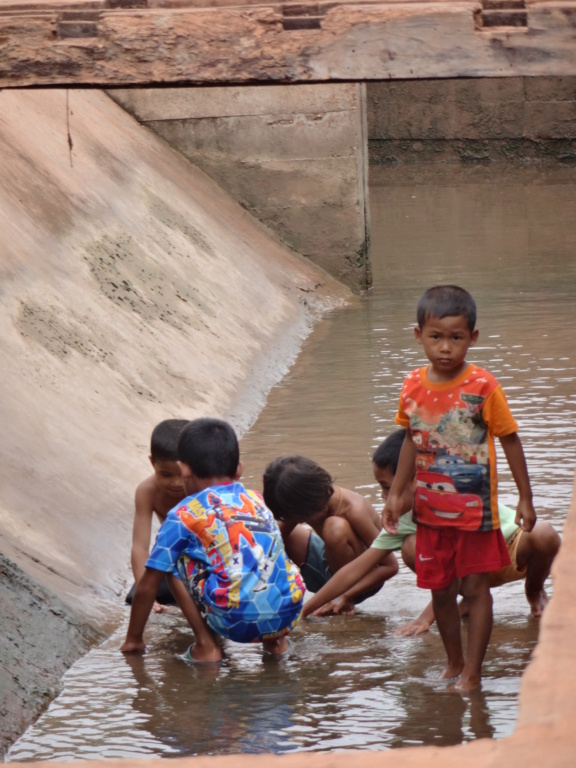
133,289
523,119
295,156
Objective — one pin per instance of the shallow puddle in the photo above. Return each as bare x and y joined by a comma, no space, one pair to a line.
506,234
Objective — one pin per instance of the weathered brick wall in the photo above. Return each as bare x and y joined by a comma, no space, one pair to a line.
472,120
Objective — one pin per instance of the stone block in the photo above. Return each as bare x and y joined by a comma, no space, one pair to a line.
256,138
550,119
418,109
232,101
489,120
550,88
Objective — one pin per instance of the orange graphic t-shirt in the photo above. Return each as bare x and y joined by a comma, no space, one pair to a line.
453,426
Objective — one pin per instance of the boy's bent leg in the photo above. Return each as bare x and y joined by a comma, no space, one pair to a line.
536,552
476,591
341,546
206,644
445,607
341,543
296,544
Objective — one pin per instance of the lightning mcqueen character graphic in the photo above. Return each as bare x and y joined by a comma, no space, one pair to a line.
438,504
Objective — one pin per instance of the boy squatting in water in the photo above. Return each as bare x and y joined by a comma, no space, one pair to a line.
531,553
222,553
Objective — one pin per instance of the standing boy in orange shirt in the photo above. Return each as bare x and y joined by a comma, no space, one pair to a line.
453,410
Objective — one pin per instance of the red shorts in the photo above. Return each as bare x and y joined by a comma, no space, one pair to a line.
443,554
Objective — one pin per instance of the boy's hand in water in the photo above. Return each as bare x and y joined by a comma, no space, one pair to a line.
133,646
413,628
341,605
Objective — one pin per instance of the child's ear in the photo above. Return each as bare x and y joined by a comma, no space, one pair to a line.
418,334
185,470
474,337
239,470
151,460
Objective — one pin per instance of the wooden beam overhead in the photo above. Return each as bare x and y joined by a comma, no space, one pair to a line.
135,42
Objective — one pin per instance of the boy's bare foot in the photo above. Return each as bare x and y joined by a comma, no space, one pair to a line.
412,628
452,671
537,602
341,606
277,647
203,654
466,684
159,608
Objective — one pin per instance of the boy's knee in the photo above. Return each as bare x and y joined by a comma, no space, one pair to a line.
548,539
544,541
476,585
337,531
447,595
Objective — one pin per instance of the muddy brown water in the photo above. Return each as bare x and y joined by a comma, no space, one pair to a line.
506,234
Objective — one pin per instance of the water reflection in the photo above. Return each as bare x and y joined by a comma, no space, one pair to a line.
505,234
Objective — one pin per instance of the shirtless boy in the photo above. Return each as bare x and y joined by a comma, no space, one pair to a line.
340,526
156,496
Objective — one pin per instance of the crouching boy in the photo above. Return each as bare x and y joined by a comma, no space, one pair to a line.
223,554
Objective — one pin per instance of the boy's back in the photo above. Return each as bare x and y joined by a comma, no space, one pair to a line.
228,550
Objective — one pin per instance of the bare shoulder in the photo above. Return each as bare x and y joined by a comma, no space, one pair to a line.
146,490
355,501
354,504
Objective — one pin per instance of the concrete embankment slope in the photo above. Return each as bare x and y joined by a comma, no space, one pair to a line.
132,289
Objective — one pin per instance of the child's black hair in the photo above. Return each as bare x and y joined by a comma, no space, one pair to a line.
296,488
164,440
446,301
387,454
210,448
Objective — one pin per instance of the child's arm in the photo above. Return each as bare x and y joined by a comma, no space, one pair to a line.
525,512
141,529
404,474
385,570
348,577
141,606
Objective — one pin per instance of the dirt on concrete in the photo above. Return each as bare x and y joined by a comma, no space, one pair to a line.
132,289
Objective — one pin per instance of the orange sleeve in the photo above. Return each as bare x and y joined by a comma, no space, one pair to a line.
497,415
401,417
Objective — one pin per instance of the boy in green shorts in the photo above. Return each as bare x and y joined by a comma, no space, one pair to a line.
531,553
